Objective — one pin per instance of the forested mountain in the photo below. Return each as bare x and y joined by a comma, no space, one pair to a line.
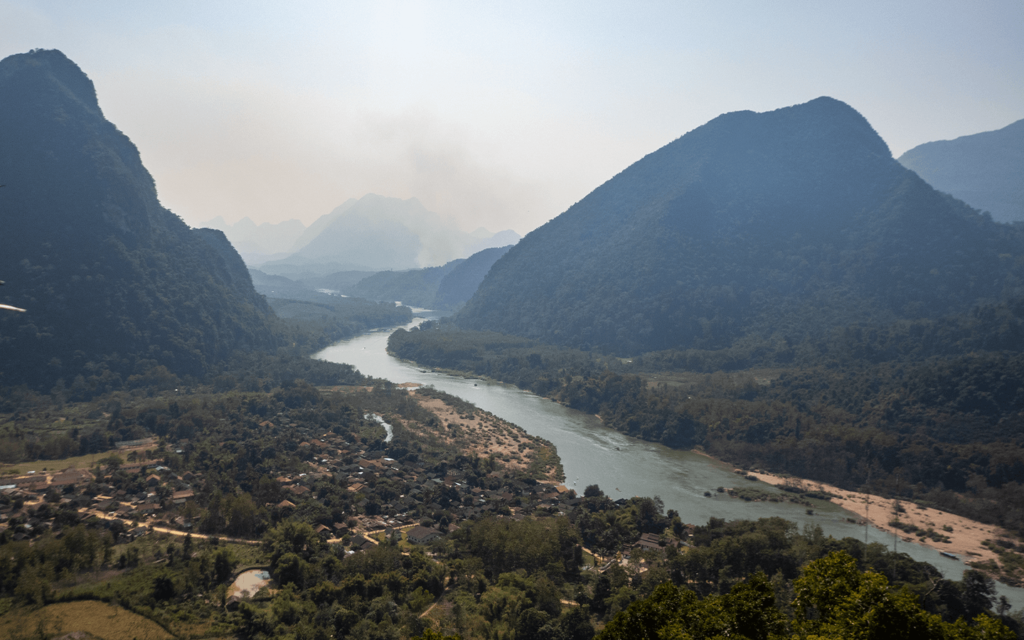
111,280
779,225
463,281
377,233
985,170
414,287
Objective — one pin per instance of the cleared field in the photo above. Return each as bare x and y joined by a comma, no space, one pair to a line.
86,461
98,619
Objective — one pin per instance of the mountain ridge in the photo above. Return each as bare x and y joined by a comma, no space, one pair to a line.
983,169
110,278
755,223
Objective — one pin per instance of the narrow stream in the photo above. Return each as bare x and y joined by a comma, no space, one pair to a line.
389,434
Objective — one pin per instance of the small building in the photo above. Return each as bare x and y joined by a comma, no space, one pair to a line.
71,477
362,543
649,542
422,535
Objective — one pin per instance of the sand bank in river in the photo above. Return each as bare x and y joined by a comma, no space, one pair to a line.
965,536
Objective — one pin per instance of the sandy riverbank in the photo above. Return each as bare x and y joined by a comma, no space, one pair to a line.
965,536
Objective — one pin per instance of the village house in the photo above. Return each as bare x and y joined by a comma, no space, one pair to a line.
649,542
422,535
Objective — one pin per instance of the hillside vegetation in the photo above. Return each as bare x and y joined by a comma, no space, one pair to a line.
781,225
111,280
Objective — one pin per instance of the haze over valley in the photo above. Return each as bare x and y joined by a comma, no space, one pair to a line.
439,322
373,233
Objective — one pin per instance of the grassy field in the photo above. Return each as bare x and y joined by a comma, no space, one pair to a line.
87,461
99,619
403,542
588,560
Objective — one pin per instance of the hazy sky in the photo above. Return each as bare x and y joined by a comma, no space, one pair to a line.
498,114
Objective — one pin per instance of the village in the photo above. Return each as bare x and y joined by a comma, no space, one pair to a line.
417,501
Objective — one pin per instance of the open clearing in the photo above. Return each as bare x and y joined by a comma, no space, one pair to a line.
99,619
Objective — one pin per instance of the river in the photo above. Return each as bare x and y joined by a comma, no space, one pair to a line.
622,466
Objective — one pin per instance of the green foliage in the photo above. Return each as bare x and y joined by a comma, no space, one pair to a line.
312,324
832,599
531,545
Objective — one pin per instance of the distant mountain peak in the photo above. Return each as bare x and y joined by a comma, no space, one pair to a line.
377,233
823,119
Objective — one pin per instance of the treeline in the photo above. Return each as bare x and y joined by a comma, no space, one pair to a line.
831,599
526,363
947,434
307,326
300,328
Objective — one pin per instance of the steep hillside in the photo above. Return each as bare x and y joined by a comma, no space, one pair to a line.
415,287
783,224
112,281
985,170
463,281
